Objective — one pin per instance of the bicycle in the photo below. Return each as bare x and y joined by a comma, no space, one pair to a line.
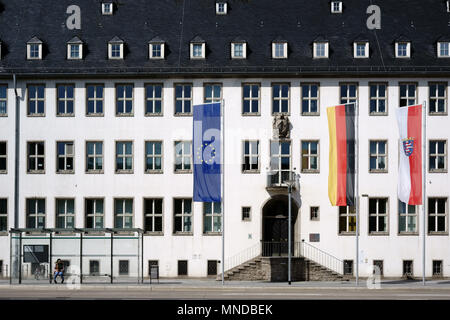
39,272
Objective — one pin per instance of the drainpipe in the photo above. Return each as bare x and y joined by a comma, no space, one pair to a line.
17,154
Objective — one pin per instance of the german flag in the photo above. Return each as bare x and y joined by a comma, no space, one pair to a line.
341,178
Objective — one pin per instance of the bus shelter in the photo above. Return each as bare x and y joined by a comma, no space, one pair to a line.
89,255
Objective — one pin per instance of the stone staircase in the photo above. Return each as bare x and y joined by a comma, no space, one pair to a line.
317,272
248,271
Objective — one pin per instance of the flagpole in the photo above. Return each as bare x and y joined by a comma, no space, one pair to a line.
424,184
357,188
222,111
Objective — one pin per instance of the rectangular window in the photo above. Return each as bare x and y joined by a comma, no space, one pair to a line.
36,100
3,100
437,160
314,213
407,218
197,50
437,215
320,49
238,50
246,213
280,161
94,267
182,215
437,268
183,99
116,50
34,51
75,51
124,100
280,98
378,156
443,50
348,267
36,157
378,264
279,50
156,50
154,263
250,99
361,50
402,49
65,99
349,93
438,97
183,156
212,268
378,99
347,220
153,215
408,268
310,156
408,94
212,217
94,211
213,93
251,156
182,267
310,99
65,213
35,209
3,157
123,267
153,156
3,217
94,156
378,215
65,157
123,213
124,157
153,99
95,95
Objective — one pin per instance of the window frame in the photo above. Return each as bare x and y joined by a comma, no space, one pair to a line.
280,98
348,98
335,10
95,99
244,50
309,156
151,45
251,99
154,171
356,45
249,218
153,99
407,97
36,214
437,98
377,98
5,156
94,214
29,51
112,50
212,215
250,155
65,156
311,217
348,214
408,50
37,156
104,11
193,54
124,99
377,215
439,49
36,100
94,156
407,214
69,51
153,215
182,214
182,99
219,10
5,99
437,215
436,155
4,215
316,51
278,157
275,45
65,215
183,155
309,99
65,99
124,156
124,214
213,99
377,154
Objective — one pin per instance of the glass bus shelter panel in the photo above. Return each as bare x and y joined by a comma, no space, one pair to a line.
96,259
127,260
67,249
15,258
35,258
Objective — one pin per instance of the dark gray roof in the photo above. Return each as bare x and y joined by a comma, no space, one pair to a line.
259,22
75,40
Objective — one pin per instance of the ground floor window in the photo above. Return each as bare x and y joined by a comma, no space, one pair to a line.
182,267
378,264
94,267
347,219
152,263
407,268
437,268
348,267
123,267
212,267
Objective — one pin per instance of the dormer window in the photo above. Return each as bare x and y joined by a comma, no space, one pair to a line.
361,49
115,48
107,8
448,6
444,49
402,49
279,50
238,50
320,49
336,6
197,48
221,8
156,49
34,49
75,49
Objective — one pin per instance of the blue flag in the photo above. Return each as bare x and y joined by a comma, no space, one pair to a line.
206,153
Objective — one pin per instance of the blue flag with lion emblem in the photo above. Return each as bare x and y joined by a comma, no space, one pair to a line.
206,153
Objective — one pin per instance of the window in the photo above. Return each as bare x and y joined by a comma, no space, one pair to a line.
221,8
336,6
152,263
34,49
115,51
402,49
437,215
94,267
212,217
65,100
407,223
238,50
378,215
182,267
35,209
107,8
36,157
94,156
443,49
65,213
279,50
280,161
153,215
378,156
212,268
438,156
124,100
123,267
36,100
348,267
153,156
65,157
408,268
3,100
124,157
3,217
349,93
437,268
378,99
320,50
153,99
183,156
251,156
310,99
95,99
408,94
213,93
75,49
280,98
3,156
94,213
246,213
198,50
182,216
310,156
347,220
123,213
183,99
438,97
378,264
361,50
250,99
314,213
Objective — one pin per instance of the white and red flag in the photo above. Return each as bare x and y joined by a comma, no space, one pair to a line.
409,121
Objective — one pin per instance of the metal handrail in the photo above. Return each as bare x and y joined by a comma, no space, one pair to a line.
242,257
319,256
275,180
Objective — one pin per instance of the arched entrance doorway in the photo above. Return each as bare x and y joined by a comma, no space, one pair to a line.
275,226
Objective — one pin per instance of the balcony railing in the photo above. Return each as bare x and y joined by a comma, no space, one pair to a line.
279,178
